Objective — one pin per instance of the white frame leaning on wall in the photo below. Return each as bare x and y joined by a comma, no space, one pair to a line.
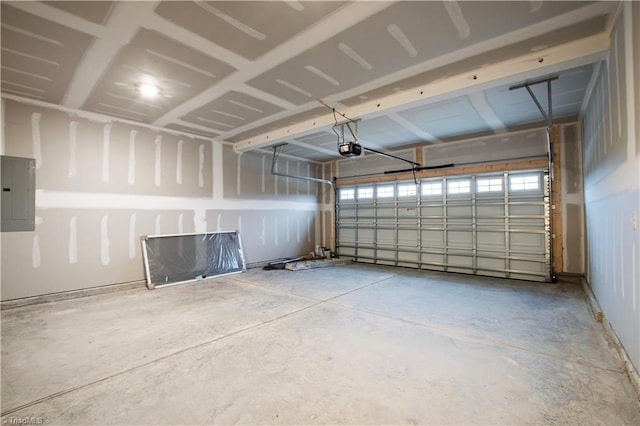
479,224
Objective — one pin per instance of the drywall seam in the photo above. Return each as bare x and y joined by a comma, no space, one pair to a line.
36,142
179,162
629,74
631,371
104,240
262,175
238,173
201,167
200,220
263,231
106,136
180,231
276,242
217,166
288,228
131,173
286,179
158,164
73,137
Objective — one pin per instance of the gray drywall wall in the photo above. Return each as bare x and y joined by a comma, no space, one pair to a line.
101,185
76,154
612,186
248,176
572,198
275,231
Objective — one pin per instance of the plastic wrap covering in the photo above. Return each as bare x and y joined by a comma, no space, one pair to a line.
173,259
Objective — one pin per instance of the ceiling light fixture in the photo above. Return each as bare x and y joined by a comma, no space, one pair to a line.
148,90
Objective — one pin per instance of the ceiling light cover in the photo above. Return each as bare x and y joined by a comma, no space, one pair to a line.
148,90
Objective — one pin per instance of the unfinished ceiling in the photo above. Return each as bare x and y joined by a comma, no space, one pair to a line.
252,73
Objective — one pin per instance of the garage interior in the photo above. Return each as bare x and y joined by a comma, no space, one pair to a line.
474,166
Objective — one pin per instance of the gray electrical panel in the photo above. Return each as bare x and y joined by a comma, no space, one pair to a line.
18,193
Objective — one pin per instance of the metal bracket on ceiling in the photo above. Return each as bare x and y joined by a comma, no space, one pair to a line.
276,154
548,116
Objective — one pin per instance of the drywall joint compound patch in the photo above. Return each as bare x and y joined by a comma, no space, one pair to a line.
201,166
73,135
131,175
104,240
179,163
158,165
106,141
35,132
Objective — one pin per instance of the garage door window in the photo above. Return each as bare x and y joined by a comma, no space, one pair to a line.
459,187
407,190
432,188
347,194
365,193
385,191
490,185
524,183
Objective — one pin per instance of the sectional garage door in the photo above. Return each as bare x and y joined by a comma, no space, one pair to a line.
489,224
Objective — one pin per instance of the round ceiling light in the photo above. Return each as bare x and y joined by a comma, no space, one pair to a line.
148,90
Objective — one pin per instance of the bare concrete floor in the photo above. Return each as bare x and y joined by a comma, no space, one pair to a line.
353,344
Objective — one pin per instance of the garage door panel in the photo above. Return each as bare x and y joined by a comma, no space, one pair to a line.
489,211
527,243
454,212
463,224
364,213
408,237
460,239
386,236
347,235
366,236
490,241
347,251
389,212
432,238
490,264
432,210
